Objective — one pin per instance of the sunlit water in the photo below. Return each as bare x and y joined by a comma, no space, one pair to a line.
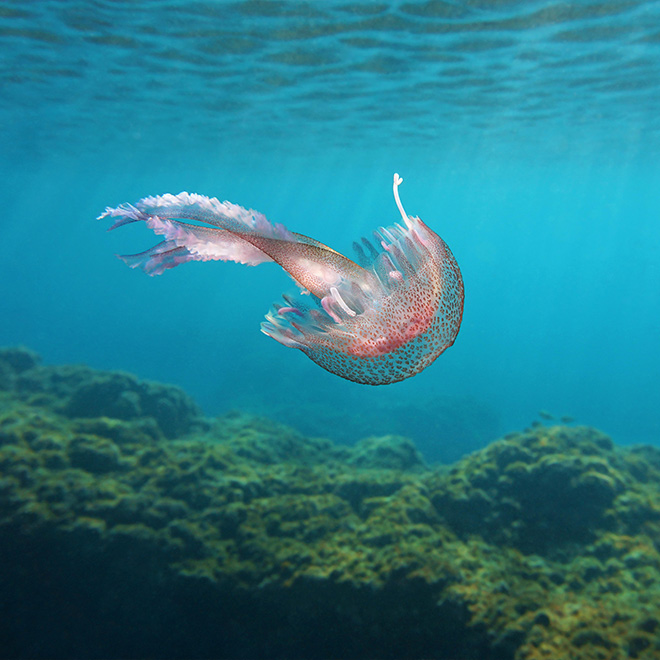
527,133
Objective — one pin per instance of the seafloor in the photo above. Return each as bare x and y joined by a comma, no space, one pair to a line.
132,526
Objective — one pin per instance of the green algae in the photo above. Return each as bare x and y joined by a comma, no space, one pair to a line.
251,538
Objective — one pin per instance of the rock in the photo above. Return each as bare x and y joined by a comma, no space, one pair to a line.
537,491
19,358
390,452
95,455
14,361
265,441
82,392
243,538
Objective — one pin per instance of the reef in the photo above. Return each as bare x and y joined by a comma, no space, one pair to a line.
443,427
132,526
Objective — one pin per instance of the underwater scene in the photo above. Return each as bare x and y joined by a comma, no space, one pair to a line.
409,407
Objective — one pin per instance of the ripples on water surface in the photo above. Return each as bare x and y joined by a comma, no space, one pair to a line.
349,73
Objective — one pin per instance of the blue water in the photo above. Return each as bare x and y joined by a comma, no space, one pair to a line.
527,134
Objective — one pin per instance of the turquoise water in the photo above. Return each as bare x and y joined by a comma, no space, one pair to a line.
527,134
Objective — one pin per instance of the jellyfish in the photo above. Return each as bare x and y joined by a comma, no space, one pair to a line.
377,320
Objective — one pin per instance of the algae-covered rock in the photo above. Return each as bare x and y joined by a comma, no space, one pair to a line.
96,455
14,361
82,392
443,427
18,358
264,441
388,452
538,490
246,539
